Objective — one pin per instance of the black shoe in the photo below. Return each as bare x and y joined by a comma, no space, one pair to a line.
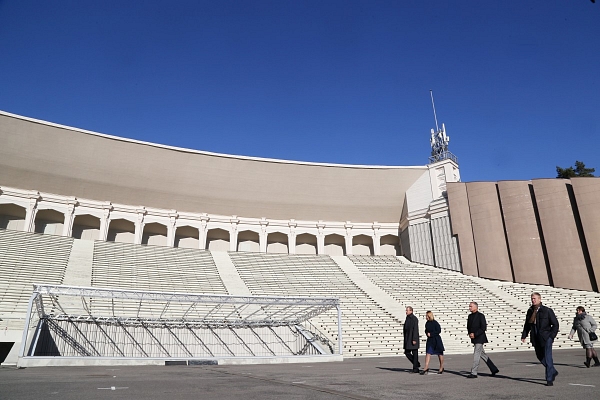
549,383
555,374
495,372
587,363
424,372
471,376
596,365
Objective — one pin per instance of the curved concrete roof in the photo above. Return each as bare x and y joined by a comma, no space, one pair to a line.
53,158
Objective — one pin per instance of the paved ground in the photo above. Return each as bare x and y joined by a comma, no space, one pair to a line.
521,376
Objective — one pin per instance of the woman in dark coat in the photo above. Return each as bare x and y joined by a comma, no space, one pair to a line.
434,346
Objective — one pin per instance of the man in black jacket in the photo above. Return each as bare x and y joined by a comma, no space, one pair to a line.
411,339
543,325
476,327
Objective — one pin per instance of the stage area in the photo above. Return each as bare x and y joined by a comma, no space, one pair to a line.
521,376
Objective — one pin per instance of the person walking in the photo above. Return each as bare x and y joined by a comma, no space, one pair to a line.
411,339
476,327
434,345
585,325
542,324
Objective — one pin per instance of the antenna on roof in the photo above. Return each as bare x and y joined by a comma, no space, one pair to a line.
439,140
437,128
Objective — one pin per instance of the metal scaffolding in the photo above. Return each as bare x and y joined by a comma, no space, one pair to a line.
72,321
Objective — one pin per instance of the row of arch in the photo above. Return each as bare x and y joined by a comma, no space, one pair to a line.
87,227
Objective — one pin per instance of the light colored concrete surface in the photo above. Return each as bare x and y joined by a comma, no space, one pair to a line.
389,304
79,267
229,275
29,362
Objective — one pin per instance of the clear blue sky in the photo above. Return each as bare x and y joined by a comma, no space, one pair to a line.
517,83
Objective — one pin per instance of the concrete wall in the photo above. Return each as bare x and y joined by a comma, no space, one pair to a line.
587,194
460,220
565,254
52,158
486,219
522,232
545,231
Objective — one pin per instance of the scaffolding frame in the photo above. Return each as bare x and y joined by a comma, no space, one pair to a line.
98,311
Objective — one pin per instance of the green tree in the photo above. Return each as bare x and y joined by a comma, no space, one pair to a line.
579,171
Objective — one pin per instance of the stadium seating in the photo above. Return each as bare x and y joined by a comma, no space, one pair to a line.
25,259
369,328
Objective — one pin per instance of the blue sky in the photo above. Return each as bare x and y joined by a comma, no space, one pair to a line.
517,83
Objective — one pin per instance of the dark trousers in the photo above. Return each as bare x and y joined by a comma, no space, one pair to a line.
543,352
413,357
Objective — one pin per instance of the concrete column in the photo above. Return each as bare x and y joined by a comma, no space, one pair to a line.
105,221
203,231
348,237
493,259
233,233
171,228
376,239
320,237
587,195
292,237
262,236
522,232
460,219
69,218
565,254
139,225
30,213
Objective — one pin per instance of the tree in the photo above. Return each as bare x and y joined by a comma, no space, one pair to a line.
579,171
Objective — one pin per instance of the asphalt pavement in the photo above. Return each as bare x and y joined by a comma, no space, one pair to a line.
521,376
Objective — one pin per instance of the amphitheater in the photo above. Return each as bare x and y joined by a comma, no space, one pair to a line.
123,240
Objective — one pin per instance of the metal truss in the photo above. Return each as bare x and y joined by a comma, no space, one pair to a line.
202,309
105,322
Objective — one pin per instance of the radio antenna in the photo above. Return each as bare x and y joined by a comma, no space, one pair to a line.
437,128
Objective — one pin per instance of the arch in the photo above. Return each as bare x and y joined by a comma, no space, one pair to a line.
86,227
389,245
335,245
362,245
306,244
277,242
217,240
248,241
155,234
121,231
12,216
49,222
187,237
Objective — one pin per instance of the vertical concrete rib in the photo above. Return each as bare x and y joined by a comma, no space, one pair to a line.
587,196
488,231
565,254
460,220
522,233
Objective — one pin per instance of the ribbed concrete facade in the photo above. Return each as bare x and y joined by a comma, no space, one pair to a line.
522,232
544,231
587,193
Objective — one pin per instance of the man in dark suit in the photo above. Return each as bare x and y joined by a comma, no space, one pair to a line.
543,325
411,339
476,327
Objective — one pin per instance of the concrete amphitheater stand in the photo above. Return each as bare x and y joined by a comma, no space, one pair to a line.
124,214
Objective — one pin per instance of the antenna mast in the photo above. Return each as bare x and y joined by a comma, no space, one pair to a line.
439,140
437,128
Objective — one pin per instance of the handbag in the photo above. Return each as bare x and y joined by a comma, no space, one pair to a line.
593,336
